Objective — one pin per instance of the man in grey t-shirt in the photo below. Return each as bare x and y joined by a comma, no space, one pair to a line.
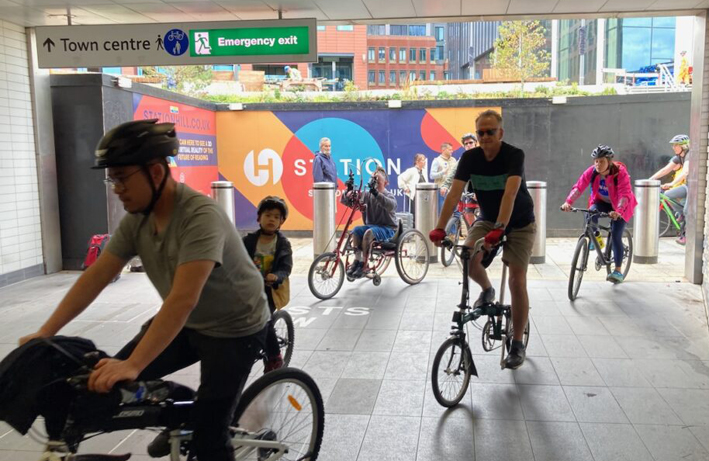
214,309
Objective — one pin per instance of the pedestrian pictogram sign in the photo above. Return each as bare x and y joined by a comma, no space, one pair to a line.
234,42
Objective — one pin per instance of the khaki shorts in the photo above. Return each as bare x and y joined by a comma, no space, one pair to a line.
516,250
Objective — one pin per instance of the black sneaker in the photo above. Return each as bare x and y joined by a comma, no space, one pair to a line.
353,267
359,272
486,297
516,357
160,446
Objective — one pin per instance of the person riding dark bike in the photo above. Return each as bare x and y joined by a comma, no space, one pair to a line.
214,308
611,193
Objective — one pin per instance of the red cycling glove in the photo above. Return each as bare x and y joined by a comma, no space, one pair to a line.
494,236
437,235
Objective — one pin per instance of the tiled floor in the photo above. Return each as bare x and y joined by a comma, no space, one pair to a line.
620,374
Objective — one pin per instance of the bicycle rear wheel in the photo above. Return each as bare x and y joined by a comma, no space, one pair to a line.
578,267
285,332
627,253
412,257
286,406
452,368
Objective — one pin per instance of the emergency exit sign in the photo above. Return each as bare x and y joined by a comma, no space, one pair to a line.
233,42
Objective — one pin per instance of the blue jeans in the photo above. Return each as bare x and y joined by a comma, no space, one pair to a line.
617,228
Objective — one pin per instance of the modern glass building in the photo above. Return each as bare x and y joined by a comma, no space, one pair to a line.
633,43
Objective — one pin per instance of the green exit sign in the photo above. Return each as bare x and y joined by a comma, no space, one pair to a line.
251,41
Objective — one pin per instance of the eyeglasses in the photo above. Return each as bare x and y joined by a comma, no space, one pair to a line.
118,182
490,132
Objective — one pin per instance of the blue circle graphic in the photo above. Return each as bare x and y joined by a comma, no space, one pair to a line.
176,42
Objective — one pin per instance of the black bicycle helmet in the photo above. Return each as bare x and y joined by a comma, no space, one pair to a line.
270,202
602,151
136,143
469,136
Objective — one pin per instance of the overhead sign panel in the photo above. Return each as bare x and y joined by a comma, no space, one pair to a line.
233,42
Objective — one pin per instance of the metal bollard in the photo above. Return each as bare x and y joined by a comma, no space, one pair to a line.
223,194
538,191
324,210
646,223
426,216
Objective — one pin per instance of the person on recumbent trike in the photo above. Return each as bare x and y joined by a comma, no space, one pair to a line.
379,218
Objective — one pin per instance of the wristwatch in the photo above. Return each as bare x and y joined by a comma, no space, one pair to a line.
499,225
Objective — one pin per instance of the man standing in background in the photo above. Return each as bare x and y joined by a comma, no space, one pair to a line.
324,169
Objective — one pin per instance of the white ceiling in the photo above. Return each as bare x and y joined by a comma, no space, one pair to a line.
53,12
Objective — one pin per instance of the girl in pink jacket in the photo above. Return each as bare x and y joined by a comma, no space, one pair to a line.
611,193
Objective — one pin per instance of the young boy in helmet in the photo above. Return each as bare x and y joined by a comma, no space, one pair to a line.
677,188
271,252
214,309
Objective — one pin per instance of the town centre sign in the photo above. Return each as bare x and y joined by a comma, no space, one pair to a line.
170,44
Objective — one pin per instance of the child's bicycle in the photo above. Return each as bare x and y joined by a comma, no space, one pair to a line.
409,250
453,364
280,416
604,257
670,212
458,225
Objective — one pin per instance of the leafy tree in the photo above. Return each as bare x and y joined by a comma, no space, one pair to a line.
189,80
520,50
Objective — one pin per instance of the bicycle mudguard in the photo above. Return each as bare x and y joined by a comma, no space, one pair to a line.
88,457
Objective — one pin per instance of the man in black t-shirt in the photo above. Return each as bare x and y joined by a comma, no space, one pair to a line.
496,172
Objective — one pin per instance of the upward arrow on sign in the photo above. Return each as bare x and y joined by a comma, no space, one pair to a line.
49,44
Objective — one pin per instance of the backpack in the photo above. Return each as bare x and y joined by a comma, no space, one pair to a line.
96,245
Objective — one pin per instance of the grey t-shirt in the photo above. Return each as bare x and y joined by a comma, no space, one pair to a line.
232,303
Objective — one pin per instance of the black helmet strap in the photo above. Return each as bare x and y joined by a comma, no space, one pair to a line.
157,192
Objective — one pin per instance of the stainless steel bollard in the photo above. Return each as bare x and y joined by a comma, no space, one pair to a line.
646,222
426,216
538,191
324,210
223,194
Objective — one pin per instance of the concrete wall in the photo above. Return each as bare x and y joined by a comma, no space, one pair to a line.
20,233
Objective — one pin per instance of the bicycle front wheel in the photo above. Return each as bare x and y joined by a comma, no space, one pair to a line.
284,406
452,368
447,256
326,276
627,253
578,267
665,222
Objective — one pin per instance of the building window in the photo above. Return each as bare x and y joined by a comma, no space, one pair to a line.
422,75
418,31
321,28
392,54
402,77
398,30
440,53
439,34
392,78
433,75
346,28
412,54
433,54
402,54
412,76
370,54
222,67
370,77
382,54
422,55
382,78
377,29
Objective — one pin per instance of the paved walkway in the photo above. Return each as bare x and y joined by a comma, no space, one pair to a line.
620,374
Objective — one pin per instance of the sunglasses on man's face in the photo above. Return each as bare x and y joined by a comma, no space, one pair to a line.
490,132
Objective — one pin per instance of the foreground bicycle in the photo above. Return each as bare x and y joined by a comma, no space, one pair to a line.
453,364
280,416
604,257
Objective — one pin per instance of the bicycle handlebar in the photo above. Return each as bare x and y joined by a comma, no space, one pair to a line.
600,214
